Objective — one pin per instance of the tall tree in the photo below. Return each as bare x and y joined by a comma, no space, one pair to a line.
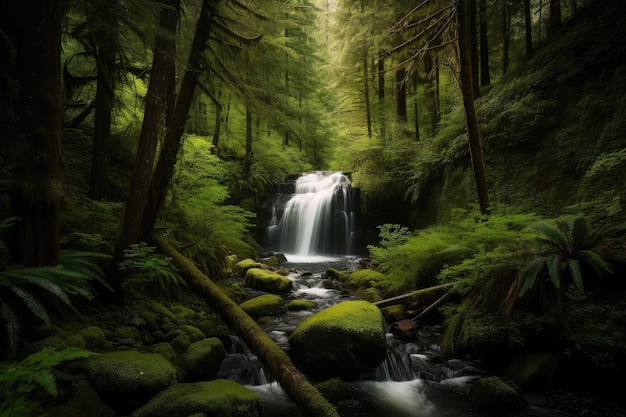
528,29
102,25
38,187
465,10
485,78
153,121
554,20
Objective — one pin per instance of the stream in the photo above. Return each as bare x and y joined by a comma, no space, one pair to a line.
416,380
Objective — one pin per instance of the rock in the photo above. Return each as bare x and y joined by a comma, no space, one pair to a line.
164,349
336,390
496,395
220,397
297,305
126,380
533,370
345,340
341,276
242,267
263,305
192,332
264,280
203,359
406,329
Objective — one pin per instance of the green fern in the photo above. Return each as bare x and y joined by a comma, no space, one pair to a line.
145,266
19,379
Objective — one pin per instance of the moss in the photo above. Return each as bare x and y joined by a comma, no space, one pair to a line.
301,305
533,369
230,262
181,343
495,394
342,276
162,310
355,316
182,312
203,359
164,349
272,261
127,332
242,267
220,397
368,278
336,390
192,332
269,281
93,336
150,317
369,294
447,341
263,305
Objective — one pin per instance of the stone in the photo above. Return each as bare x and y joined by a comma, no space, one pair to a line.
496,395
263,305
265,280
345,340
203,359
126,380
219,397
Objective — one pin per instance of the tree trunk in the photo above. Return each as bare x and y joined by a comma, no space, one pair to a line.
34,28
401,115
154,114
295,384
529,30
247,159
164,170
415,106
467,90
554,20
506,36
473,32
366,93
485,78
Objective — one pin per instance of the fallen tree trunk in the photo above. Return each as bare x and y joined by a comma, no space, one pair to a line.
413,294
293,382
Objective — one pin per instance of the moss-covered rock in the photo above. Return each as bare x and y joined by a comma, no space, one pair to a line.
264,280
242,267
345,340
203,359
223,398
263,305
85,402
296,305
166,350
495,394
182,312
94,337
192,332
342,276
181,343
368,278
336,390
229,263
127,379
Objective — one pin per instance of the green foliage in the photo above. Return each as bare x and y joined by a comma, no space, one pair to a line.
566,254
19,379
144,267
30,293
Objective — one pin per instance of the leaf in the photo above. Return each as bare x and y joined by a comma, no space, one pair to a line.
554,270
531,272
577,276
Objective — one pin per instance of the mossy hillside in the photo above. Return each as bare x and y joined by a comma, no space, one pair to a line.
223,398
263,305
270,281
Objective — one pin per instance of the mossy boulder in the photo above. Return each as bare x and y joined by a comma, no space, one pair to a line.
242,267
203,359
164,349
192,332
345,340
126,380
336,390
94,338
339,275
263,305
221,397
297,305
270,281
494,394
230,262
368,278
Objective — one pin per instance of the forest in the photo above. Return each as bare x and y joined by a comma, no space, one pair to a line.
143,142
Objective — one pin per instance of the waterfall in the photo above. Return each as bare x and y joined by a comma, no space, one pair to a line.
318,218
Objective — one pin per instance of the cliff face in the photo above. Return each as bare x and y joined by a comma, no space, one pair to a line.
554,132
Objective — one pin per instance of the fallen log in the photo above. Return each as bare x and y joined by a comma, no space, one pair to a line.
293,382
413,294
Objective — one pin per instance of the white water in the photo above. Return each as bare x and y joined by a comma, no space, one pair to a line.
318,219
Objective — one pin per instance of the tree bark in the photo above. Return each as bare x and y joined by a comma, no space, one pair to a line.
34,28
154,114
401,115
412,295
467,91
295,384
485,78
528,30
164,170
554,20
366,93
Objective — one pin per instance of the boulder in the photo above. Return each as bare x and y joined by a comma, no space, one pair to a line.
345,340
242,267
220,397
126,380
203,359
270,281
495,394
263,305
296,305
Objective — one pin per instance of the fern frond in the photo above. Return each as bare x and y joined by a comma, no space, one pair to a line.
596,262
31,303
577,275
607,230
10,327
457,253
554,270
579,227
531,272
555,236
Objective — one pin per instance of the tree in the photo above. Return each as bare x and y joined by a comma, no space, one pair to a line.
37,187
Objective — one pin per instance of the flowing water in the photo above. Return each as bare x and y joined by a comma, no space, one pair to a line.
416,379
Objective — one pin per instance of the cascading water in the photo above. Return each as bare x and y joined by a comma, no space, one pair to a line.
318,218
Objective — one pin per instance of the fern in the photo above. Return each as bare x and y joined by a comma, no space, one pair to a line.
19,379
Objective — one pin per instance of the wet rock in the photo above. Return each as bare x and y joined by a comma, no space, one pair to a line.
269,281
345,340
213,398
203,359
263,305
496,395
